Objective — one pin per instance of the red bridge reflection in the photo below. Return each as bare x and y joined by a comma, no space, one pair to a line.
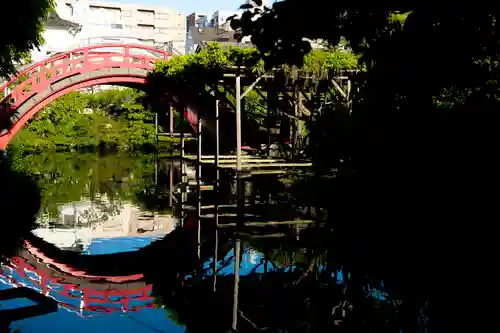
85,297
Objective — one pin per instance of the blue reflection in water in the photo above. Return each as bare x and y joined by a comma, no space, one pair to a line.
253,262
119,244
71,318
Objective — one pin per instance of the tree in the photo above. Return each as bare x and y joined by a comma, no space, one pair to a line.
18,41
423,132
190,79
403,41
112,118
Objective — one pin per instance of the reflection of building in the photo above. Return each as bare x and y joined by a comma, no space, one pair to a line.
71,233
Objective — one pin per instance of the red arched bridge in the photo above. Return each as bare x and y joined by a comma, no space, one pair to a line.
40,84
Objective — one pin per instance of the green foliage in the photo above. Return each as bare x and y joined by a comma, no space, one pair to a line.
113,118
19,42
195,71
201,67
321,62
394,40
191,75
127,106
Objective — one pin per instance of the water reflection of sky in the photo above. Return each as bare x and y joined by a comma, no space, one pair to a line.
63,321
118,244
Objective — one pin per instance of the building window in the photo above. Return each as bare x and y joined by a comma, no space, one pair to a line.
162,30
126,13
116,26
162,16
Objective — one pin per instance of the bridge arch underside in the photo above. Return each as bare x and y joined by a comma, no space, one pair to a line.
33,105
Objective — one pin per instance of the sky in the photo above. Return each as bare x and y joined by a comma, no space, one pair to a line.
188,6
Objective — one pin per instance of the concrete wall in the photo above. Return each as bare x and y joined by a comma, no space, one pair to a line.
55,41
135,23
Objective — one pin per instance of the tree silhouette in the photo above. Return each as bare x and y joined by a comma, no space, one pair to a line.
19,204
19,42
420,140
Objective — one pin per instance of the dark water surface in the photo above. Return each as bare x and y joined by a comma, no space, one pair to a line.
115,257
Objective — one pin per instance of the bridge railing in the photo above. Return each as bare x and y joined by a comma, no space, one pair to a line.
102,40
53,68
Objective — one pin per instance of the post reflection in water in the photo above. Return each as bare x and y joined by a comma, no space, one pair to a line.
138,267
237,249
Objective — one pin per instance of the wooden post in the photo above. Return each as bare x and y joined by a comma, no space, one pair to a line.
171,172
183,172
198,186
238,122
268,121
171,121
217,171
157,148
240,188
241,205
216,192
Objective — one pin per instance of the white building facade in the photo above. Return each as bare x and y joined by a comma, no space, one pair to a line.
103,22
201,27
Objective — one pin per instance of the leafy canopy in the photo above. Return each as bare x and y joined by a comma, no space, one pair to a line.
187,77
212,60
23,28
417,51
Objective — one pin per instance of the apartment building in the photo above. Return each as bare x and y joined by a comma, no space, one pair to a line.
198,19
116,22
201,28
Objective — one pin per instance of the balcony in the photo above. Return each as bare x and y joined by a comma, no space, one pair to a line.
145,17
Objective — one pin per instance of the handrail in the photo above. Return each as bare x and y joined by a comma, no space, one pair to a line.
66,54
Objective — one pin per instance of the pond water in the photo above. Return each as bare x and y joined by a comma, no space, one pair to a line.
110,253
